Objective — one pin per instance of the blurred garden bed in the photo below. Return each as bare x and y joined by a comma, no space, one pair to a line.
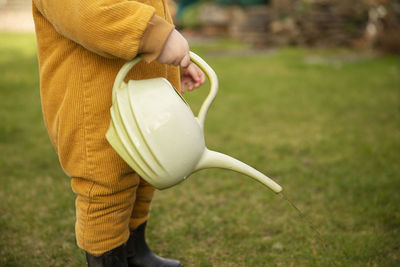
359,24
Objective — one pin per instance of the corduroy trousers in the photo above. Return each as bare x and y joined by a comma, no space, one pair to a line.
107,209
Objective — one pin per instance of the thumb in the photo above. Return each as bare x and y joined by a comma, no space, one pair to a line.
185,62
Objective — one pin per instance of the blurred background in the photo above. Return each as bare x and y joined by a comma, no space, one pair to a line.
270,23
309,95
360,24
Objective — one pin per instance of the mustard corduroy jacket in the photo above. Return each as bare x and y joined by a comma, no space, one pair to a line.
81,46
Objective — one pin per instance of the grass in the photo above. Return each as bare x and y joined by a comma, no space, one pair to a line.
325,124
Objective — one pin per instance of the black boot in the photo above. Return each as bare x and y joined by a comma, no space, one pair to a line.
139,254
113,258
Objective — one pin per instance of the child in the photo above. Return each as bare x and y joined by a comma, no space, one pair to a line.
81,47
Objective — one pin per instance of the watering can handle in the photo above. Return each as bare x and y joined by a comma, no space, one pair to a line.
119,82
119,79
212,77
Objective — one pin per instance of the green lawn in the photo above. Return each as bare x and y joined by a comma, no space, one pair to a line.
325,124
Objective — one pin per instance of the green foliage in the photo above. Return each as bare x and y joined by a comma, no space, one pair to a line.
190,16
324,124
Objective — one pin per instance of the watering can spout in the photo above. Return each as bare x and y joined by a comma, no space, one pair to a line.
213,159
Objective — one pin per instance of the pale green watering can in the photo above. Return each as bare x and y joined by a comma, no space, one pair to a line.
154,130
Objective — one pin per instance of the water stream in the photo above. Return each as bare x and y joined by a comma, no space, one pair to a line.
321,240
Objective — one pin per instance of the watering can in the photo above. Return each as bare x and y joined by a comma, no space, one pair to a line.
154,130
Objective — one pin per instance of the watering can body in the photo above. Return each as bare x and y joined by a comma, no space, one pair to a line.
162,147
154,130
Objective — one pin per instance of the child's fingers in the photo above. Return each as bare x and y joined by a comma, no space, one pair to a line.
197,74
191,70
192,78
201,75
186,82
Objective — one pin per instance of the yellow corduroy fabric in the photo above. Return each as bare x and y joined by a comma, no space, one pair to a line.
81,46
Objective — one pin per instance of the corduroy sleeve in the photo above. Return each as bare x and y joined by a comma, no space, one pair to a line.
111,28
154,38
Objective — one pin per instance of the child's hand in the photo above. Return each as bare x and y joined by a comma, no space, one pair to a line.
192,77
175,49
176,52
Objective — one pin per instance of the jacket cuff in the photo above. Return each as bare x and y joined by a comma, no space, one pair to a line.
154,38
